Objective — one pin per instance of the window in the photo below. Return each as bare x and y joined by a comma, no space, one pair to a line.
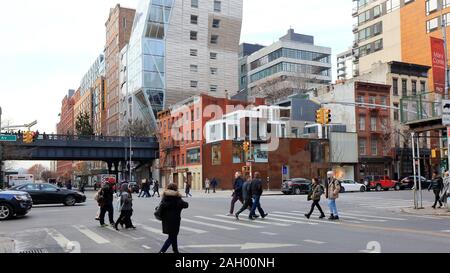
213,56
198,135
360,99
193,156
217,6
193,68
414,88
362,123
404,88
238,153
383,101
362,146
431,6
372,100
155,30
392,5
214,39
194,84
216,155
192,119
194,3
213,88
213,71
216,23
432,24
187,119
198,113
374,146
194,52
422,86
395,87
396,112
373,123
194,35
124,22
194,19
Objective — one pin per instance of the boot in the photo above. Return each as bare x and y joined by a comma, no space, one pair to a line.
331,217
307,215
322,216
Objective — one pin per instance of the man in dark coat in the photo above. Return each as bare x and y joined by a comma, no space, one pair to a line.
170,210
105,201
247,196
436,185
214,184
237,193
257,190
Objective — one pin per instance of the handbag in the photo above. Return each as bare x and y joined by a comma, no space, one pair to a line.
158,213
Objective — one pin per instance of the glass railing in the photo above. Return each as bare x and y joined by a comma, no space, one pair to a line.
420,107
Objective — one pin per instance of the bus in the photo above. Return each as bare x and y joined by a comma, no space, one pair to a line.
19,179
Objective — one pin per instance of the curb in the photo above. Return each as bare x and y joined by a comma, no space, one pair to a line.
427,214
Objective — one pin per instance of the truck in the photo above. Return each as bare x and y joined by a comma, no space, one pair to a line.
19,179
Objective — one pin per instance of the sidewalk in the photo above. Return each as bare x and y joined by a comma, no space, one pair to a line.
7,245
427,211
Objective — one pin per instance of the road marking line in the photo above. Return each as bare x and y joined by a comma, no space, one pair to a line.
314,242
62,241
376,217
261,221
290,221
92,235
446,231
269,233
146,247
229,222
152,230
198,231
362,219
124,234
392,207
208,224
282,214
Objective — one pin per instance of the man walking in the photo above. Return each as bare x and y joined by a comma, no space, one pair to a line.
247,196
257,190
332,193
105,201
436,185
237,193
156,188
214,184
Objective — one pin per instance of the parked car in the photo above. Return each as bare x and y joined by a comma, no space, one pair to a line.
49,194
348,185
408,182
296,186
380,182
14,203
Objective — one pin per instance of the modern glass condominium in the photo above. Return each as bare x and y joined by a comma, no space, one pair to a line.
179,49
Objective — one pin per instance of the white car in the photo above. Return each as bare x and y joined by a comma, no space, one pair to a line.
350,185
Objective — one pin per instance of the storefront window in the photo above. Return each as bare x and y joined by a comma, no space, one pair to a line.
260,155
238,153
193,156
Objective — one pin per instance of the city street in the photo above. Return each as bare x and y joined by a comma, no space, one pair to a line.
370,221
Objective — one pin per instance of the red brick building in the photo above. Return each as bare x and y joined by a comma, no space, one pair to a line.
66,126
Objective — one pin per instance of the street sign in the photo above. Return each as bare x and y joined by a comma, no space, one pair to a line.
285,170
445,112
8,138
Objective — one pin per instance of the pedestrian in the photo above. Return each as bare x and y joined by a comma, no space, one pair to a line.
126,207
257,190
446,190
436,185
214,184
69,184
105,202
247,196
156,188
143,184
82,186
207,185
333,188
237,192
170,211
188,189
148,184
314,194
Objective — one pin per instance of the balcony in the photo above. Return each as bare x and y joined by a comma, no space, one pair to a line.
355,27
421,107
355,11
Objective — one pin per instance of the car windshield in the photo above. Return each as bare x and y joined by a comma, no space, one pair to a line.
48,187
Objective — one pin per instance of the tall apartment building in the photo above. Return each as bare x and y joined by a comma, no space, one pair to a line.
179,49
245,50
345,66
292,64
66,126
118,31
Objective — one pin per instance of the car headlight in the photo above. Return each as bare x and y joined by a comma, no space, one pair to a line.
21,197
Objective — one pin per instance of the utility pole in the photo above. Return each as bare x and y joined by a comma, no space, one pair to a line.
444,36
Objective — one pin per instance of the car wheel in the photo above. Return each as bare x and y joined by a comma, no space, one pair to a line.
70,201
297,191
362,189
397,187
6,211
378,188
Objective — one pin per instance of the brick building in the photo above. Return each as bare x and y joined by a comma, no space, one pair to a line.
65,126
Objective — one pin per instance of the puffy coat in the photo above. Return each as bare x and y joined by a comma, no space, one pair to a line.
436,184
333,189
171,207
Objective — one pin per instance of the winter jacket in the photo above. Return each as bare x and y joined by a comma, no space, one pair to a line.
156,186
247,190
126,201
256,187
315,192
207,184
106,195
436,184
333,189
238,183
171,207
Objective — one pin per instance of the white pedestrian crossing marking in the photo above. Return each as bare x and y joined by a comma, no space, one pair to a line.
260,221
232,222
198,231
314,242
372,216
207,224
125,234
446,231
309,221
269,233
152,230
289,220
62,241
146,247
92,235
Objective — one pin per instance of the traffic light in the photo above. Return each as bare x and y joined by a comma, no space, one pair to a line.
320,116
246,146
327,116
28,137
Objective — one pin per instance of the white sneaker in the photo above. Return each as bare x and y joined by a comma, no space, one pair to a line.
230,214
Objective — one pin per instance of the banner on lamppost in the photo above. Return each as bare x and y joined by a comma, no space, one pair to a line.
438,64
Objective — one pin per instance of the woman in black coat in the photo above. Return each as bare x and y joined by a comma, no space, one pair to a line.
170,211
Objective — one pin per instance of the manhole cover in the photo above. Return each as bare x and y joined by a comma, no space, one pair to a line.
35,251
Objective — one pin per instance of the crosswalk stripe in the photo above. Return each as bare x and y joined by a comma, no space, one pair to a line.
152,230
125,234
260,221
372,216
92,235
269,233
208,224
314,242
198,231
229,222
290,220
62,241
288,215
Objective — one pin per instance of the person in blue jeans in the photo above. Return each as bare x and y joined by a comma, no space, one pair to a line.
332,193
257,190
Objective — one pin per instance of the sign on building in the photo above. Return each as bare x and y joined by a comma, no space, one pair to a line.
446,112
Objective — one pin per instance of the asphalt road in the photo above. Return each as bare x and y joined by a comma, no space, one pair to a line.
370,221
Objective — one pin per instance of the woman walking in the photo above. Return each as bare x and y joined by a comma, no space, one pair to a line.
207,185
188,189
314,194
170,212
126,208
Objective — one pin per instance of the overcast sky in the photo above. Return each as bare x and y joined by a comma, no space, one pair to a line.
48,45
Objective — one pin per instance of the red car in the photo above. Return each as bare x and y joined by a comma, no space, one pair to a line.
381,182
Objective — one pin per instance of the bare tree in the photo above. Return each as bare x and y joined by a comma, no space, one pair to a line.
37,170
47,174
386,135
138,128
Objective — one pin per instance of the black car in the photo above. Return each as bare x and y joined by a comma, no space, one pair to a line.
296,186
49,194
14,203
408,182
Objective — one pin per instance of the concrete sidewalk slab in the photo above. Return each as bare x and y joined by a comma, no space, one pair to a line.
7,245
427,211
